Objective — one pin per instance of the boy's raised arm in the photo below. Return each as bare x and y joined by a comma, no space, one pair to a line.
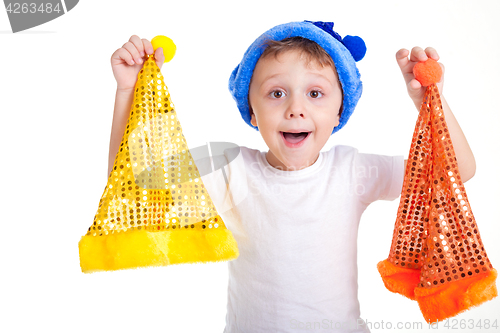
126,63
123,101
465,158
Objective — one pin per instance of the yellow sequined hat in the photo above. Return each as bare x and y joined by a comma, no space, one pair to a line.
155,210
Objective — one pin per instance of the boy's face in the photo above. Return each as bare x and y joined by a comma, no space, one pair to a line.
288,94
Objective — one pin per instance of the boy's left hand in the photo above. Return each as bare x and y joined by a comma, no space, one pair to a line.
415,89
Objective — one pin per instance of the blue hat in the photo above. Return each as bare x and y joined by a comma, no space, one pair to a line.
344,52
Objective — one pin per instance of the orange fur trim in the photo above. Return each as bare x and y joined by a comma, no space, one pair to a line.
456,297
398,279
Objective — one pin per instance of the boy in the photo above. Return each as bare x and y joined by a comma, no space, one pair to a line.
295,210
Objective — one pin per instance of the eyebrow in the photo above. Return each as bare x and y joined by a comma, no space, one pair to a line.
271,77
320,76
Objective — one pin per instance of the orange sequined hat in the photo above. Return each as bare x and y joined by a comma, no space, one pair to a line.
436,257
155,210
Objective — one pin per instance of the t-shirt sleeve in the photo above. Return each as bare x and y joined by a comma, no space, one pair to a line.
224,178
378,177
214,179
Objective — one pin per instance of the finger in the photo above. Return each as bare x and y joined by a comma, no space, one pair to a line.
432,53
418,54
159,57
124,55
408,76
148,47
130,47
137,42
402,58
405,65
414,85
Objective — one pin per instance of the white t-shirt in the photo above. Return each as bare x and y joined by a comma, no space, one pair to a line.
297,235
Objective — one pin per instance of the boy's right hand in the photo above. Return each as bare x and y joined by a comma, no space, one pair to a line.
127,61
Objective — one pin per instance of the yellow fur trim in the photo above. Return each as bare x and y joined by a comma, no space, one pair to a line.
144,248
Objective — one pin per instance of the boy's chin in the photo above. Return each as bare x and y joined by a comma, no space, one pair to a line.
290,160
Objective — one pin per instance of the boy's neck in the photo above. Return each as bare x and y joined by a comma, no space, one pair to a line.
276,163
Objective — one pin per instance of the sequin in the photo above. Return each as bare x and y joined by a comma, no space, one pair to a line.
152,168
434,209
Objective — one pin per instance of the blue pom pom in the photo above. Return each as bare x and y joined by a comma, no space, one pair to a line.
356,46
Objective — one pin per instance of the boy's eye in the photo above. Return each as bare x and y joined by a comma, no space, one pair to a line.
315,94
277,94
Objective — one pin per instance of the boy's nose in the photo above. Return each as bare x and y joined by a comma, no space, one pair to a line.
296,108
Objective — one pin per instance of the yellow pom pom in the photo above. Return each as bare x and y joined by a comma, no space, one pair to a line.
167,44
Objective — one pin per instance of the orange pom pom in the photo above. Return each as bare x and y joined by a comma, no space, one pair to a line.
427,72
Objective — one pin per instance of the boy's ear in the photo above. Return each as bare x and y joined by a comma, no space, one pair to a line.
253,121
337,120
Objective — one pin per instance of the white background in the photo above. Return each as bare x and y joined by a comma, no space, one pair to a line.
57,96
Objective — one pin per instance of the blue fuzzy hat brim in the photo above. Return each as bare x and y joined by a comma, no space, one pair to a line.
349,76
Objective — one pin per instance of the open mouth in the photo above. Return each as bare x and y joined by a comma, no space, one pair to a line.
294,139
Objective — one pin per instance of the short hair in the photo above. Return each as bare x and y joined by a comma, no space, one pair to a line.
312,51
